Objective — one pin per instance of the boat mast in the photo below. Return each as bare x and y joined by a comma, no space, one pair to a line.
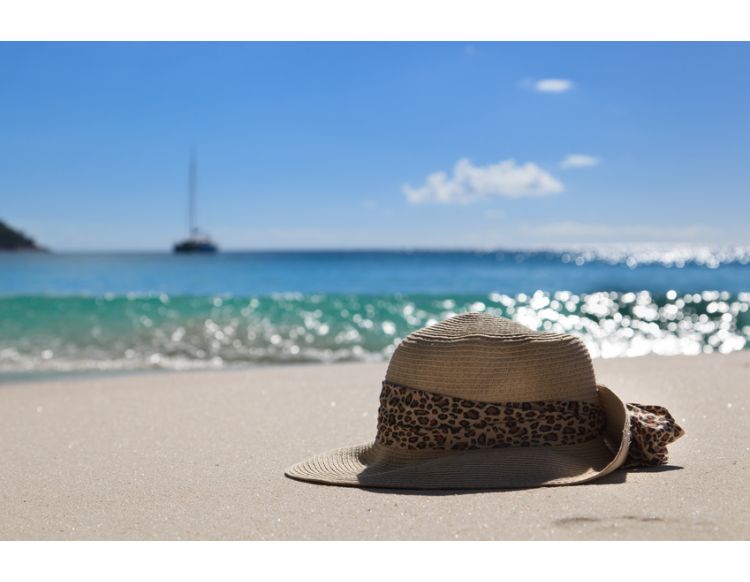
192,228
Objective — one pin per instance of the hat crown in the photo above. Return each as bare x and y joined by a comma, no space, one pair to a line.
487,358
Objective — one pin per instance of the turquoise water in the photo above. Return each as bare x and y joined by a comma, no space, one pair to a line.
68,313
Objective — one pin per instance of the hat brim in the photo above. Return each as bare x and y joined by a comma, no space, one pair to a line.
374,465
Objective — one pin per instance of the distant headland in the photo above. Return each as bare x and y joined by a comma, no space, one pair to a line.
14,240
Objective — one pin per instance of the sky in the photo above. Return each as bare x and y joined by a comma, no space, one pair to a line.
376,145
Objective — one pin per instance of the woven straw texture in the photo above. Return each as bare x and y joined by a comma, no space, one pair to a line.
490,359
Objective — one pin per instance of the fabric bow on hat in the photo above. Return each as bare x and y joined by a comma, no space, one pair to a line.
652,428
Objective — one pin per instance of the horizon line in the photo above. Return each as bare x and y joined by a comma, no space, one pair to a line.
536,247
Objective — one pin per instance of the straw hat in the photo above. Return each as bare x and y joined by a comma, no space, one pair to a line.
479,401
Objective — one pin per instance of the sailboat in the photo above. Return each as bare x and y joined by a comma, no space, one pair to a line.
196,242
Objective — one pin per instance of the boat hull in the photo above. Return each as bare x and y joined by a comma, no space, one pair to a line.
191,246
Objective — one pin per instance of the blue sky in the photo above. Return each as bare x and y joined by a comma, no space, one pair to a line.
376,145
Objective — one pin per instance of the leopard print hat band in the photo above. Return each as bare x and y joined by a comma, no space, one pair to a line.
409,418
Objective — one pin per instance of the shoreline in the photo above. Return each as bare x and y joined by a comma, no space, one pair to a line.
178,455
7,379
24,377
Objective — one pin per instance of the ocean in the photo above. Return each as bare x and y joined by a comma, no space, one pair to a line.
69,313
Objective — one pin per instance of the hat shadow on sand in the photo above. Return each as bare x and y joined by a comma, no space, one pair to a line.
614,478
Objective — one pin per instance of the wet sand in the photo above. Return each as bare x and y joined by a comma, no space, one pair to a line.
201,455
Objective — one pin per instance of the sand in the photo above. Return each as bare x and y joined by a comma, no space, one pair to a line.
201,455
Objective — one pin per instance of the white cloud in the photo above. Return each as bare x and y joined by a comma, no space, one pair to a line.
579,161
470,183
553,85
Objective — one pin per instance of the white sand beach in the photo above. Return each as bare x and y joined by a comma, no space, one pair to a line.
201,455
